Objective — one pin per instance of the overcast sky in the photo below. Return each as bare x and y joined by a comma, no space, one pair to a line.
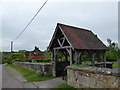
100,17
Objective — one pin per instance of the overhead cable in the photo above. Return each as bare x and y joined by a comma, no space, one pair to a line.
31,20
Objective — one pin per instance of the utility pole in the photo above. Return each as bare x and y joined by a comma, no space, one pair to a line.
11,46
11,51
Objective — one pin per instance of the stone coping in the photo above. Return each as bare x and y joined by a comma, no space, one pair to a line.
34,63
105,71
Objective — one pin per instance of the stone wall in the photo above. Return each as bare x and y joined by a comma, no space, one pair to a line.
40,68
93,77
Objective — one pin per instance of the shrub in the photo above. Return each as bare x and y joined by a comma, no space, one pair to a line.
111,55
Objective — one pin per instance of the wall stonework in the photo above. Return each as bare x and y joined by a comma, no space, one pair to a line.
40,68
93,77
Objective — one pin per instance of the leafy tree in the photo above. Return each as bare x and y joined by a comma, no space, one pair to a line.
113,52
0,57
6,57
22,51
19,56
112,45
47,55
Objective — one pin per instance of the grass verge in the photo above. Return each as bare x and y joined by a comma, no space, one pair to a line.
81,65
63,86
29,75
115,65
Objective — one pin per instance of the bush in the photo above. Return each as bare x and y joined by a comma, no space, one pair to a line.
111,55
6,58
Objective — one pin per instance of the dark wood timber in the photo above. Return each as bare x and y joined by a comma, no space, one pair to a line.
75,42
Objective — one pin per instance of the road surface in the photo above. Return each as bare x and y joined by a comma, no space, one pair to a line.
0,76
13,79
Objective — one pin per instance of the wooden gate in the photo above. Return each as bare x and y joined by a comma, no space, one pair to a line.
61,68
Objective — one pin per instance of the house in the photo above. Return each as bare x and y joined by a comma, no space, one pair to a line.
36,54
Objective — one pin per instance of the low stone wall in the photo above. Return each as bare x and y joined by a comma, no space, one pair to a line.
93,77
40,68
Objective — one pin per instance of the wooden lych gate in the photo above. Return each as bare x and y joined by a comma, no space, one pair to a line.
73,42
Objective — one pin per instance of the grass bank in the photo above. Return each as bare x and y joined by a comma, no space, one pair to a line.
116,65
29,75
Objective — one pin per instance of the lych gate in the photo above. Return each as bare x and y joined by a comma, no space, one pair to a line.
73,42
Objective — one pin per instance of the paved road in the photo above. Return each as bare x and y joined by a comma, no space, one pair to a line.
0,76
13,79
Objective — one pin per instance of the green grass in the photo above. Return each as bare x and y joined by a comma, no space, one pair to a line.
81,65
43,62
115,65
29,75
63,86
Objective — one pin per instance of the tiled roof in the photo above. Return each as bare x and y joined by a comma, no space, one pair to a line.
80,38
37,57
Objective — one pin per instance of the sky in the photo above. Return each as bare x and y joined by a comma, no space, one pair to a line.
100,16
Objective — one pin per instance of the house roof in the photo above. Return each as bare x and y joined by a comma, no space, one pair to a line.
37,57
80,38
36,51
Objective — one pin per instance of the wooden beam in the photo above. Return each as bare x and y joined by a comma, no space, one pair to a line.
62,38
71,56
59,42
93,58
53,37
66,56
52,55
98,56
66,37
78,57
54,63
63,41
104,59
68,51
62,47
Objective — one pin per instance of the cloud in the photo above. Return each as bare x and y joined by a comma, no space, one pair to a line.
101,18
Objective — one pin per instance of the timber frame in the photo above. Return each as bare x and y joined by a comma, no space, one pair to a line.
61,43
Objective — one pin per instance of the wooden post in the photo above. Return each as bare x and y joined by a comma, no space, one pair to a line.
78,57
104,59
66,57
54,62
93,58
52,56
71,56
98,56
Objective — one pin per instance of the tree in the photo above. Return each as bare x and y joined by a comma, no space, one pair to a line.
0,57
112,45
47,55
6,57
19,56
113,52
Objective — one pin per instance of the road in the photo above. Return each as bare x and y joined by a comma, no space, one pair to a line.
13,79
0,76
